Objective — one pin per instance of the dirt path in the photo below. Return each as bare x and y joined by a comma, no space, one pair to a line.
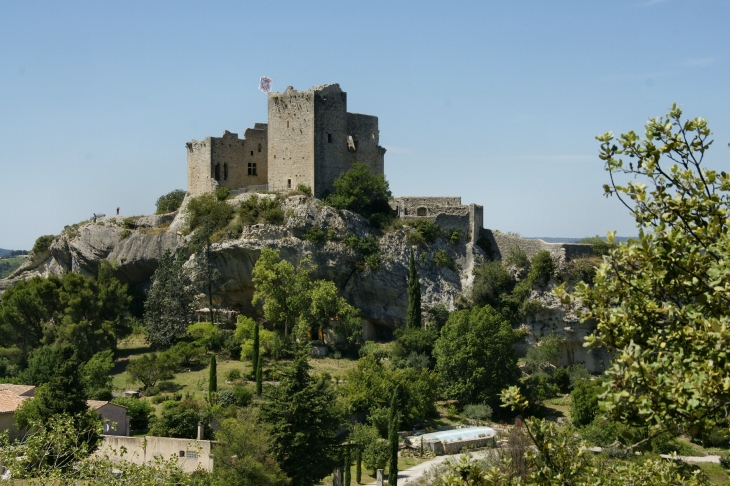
409,475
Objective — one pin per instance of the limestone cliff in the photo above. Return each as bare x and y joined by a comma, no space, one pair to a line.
136,245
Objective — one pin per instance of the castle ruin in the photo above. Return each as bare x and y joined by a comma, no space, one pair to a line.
310,139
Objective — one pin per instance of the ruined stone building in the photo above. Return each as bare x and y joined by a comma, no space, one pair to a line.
310,139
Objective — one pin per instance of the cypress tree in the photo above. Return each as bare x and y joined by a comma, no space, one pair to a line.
212,378
255,356
259,383
413,318
393,424
358,465
348,474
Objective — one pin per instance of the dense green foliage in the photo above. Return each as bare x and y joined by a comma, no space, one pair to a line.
394,421
363,192
600,245
169,202
9,265
180,419
149,369
212,378
413,316
424,231
208,214
170,305
304,419
661,301
584,402
474,356
242,455
95,376
138,411
257,209
88,314
42,243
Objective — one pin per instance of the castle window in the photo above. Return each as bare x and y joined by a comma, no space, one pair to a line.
252,169
421,212
329,138
252,153
287,124
217,173
259,149
288,183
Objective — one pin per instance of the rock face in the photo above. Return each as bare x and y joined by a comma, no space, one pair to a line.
135,245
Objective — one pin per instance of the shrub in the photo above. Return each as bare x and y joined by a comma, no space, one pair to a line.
42,244
368,247
725,461
243,395
124,234
428,229
233,375
441,258
256,210
516,257
180,419
371,348
170,202
416,238
184,355
222,193
455,237
226,398
490,281
599,245
208,212
580,270
480,411
315,235
584,402
138,411
578,372
542,268
363,192
304,189
129,223
373,262
561,378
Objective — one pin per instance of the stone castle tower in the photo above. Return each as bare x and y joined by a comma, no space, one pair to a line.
310,139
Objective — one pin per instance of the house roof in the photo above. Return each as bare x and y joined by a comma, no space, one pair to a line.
97,404
9,401
20,390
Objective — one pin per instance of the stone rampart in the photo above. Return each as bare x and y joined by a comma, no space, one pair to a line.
502,243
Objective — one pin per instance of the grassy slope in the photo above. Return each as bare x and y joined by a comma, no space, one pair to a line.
9,265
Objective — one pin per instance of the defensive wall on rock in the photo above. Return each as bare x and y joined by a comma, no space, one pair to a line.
447,212
502,243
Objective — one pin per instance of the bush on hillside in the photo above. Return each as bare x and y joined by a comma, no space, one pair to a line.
42,244
170,202
138,411
361,191
255,210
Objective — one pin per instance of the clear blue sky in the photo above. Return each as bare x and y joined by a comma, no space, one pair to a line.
498,102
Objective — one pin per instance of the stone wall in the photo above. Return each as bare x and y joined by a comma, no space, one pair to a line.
225,161
502,243
364,142
199,166
331,156
447,212
191,454
291,139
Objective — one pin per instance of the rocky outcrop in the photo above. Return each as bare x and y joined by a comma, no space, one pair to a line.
136,245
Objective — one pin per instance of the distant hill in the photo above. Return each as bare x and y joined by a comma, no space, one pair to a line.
555,239
6,253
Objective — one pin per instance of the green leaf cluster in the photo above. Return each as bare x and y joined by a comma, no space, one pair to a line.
169,202
361,191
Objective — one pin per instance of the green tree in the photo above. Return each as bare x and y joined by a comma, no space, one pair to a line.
413,317
661,301
170,306
149,369
474,356
180,419
282,287
347,464
243,457
584,402
64,393
138,411
212,378
256,350
394,418
170,202
95,375
43,364
259,377
363,192
358,465
304,418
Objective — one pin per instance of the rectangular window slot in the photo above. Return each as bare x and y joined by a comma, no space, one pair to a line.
252,169
288,183
329,138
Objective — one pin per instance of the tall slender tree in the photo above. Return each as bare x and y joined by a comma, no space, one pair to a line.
255,355
394,417
259,380
413,318
348,462
212,378
358,464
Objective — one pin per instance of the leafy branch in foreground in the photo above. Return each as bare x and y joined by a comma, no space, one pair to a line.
661,301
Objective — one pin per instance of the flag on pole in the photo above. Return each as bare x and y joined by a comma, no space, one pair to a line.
265,84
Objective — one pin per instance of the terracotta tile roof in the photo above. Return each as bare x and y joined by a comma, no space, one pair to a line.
9,401
20,390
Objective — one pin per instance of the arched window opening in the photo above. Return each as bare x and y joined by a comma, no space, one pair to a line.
217,173
225,172
421,212
259,148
